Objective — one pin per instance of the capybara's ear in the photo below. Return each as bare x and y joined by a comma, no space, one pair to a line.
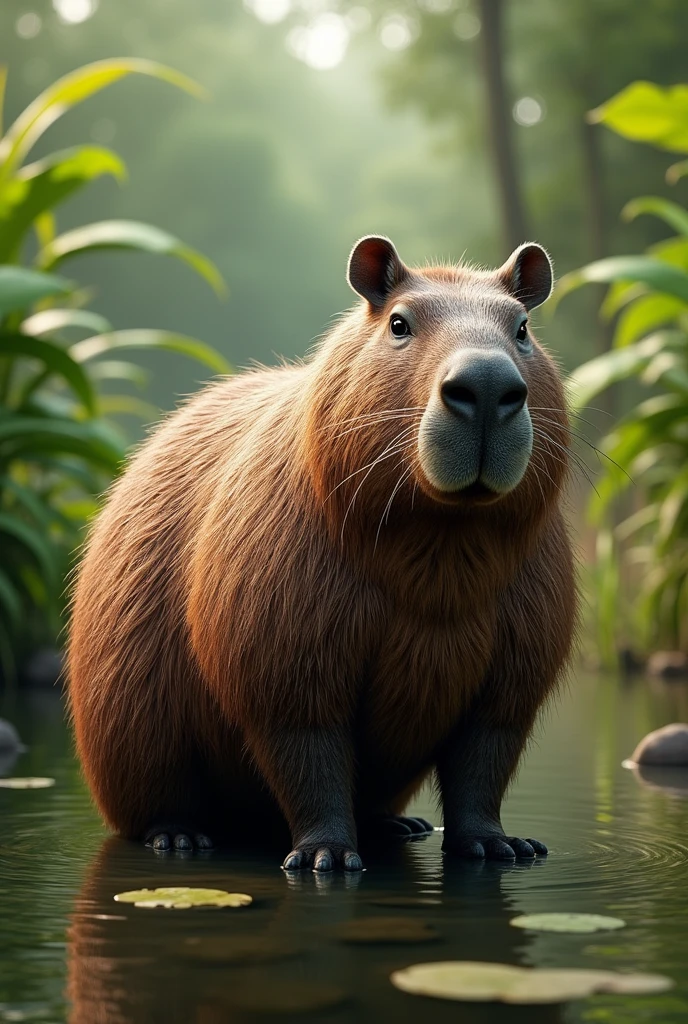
375,269
528,274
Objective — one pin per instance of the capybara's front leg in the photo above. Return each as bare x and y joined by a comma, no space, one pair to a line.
474,770
310,772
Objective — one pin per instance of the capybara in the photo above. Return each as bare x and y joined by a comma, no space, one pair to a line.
318,584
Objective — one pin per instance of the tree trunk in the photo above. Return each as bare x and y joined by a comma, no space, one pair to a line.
500,124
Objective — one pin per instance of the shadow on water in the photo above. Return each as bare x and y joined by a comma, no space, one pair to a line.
618,840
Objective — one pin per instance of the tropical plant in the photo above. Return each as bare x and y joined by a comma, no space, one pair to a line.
648,297
59,443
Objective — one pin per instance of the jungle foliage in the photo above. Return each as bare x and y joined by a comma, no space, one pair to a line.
63,382
645,555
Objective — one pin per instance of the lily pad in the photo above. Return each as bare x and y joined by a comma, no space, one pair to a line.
26,783
471,981
385,930
181,897
567,922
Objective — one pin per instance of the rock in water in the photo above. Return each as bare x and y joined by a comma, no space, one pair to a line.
666,746
9,738
668,665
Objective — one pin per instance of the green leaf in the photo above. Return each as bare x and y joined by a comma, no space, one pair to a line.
35,543
676,172
71,472
672,511
21,287
50,321
598,374
44,515
127,405
128,234
619,294
656,274
43,185
10,599
119,369
90,348
644,315
72,89
671,250
30,437
56,361
646,112
671,213
3,83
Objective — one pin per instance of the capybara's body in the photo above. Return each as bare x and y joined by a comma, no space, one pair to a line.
292,609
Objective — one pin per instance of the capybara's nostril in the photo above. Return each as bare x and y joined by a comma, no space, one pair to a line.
459,399
512,401
484,386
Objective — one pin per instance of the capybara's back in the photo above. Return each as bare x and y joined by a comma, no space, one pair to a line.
316,584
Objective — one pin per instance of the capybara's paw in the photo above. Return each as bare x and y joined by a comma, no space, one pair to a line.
397,826
493,847
163,838
322,858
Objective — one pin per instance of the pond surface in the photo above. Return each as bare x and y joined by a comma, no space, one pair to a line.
619,846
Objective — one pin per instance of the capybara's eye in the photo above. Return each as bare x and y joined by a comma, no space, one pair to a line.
399,327
522,332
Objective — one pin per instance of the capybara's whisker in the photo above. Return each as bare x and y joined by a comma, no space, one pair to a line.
367,423
380,458
373,416
386,510
569,455
389,450
581,437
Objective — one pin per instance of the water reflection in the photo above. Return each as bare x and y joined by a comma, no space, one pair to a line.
618,841
285,953
661,779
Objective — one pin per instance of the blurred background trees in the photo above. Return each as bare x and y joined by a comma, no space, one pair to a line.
454,126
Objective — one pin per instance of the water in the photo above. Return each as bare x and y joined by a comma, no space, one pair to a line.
619,846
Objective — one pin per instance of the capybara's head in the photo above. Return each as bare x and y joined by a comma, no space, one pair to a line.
434,390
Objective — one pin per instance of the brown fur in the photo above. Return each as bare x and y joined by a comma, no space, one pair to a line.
236,585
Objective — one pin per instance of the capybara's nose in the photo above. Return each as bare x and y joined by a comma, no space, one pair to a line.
484,385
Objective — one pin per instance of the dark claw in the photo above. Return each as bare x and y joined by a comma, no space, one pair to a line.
498,849
521,847
495,847
171,838
397,826
324,861
425,826
295,861
351,861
